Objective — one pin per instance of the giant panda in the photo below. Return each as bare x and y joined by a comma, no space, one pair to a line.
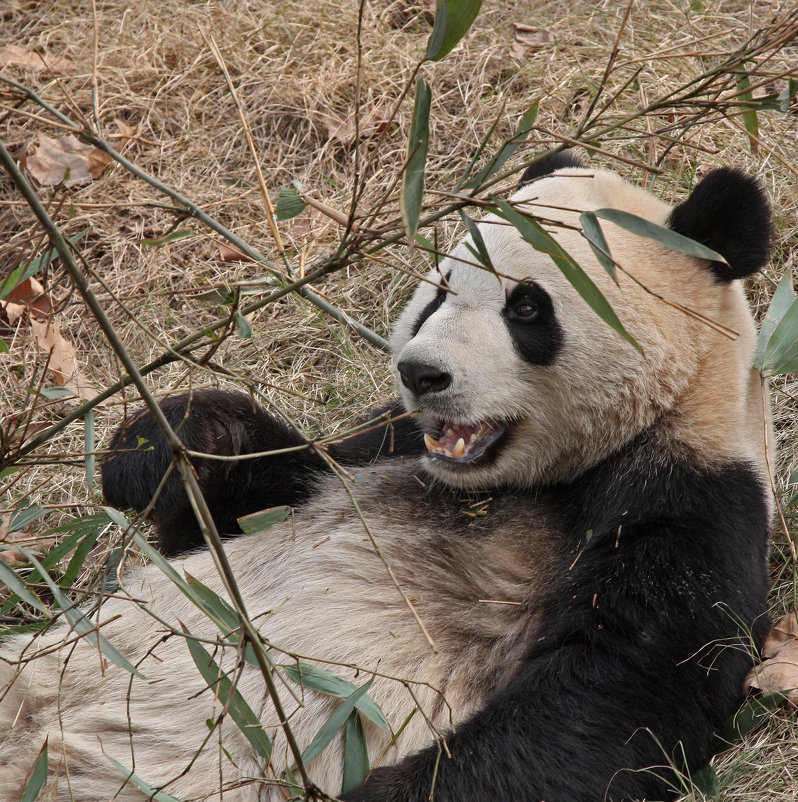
580,526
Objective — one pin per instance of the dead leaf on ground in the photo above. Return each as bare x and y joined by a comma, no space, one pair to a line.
342,127
229,253
27,295
778,671
66,160
27,59
528,39
126,132
29,298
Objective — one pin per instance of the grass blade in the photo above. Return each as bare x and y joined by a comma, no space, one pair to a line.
89,442
531,230
453,18
412,192
660,234
230,697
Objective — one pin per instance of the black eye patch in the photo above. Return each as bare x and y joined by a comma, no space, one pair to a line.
433,305
533,326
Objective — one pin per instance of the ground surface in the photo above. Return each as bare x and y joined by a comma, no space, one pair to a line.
145,78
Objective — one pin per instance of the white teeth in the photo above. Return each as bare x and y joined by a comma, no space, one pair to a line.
430,442
459,448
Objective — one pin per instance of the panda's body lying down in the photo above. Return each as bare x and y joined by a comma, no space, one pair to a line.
585,540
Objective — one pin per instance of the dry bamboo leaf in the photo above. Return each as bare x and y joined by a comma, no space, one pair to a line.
66,160
372,121
27,59
229,253
27,295
778,671
528,39
63,363
126,132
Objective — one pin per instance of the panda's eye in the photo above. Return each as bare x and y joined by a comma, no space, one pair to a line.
525,309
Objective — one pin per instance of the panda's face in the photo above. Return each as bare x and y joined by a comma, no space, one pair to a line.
515,380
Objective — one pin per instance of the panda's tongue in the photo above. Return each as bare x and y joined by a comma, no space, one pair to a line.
462,443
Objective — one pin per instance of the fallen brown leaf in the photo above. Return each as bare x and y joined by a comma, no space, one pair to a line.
229,253
23,57
528,39
29,298
126,132
66,160
340,127
778,671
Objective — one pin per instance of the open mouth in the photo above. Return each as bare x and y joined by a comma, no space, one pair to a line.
464,443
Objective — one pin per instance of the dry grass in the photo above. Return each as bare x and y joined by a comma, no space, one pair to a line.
295,68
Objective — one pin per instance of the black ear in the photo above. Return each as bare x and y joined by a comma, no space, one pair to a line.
730,213
565,158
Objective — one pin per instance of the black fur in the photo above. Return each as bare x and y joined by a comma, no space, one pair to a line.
649,633
216,422
538,339
557,161
730,213
433,306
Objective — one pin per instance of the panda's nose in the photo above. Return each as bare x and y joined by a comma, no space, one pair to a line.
421,378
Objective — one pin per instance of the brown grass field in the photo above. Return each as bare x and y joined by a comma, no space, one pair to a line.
143,77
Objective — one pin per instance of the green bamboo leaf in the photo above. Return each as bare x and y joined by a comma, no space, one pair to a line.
750,119
84,544
779,304
412,192
591,228
213,605
356,756
3,346
289,203
479,249
781,351
333,724
508,149
323,681
664,236
25,271
9,577
37,778
131,777
158,243
78,620
51,393
452,19
264,519
531,230
753,713
229,697
243,329
24,515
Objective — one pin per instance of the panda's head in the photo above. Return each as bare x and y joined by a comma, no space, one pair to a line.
517,381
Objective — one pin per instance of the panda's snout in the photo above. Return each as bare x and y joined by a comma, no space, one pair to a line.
421,379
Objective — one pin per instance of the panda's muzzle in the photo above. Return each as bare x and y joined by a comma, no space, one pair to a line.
421,379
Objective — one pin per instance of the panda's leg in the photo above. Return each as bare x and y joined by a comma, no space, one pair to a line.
140,474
